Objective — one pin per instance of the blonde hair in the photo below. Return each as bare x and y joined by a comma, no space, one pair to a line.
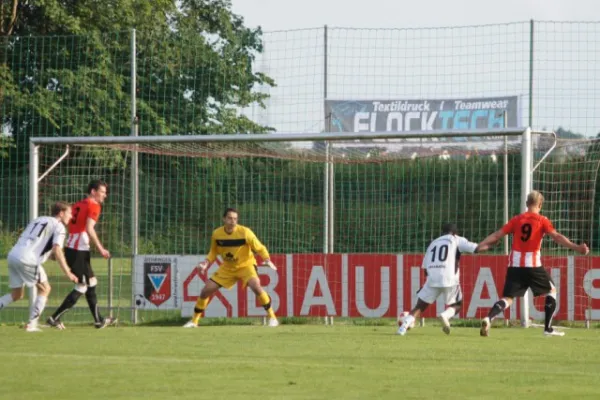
534,198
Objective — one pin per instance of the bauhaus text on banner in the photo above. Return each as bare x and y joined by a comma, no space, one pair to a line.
364,285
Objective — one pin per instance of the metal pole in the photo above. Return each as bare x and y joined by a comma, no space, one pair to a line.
331,205
110,287
326,202
330,168
506,248
326,172
325,44
505,182
34,166
51,168
527,161
531,74
525,189
129,141
134,170
328,165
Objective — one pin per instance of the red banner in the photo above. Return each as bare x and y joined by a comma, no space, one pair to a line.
383,285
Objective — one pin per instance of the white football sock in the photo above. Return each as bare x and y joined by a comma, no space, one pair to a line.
5,300
38,308
449,313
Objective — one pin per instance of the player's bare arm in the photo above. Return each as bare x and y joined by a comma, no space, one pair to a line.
59,256
90,228
491,240
565,242
481,248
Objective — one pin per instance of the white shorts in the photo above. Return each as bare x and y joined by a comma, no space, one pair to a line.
451,295
28,275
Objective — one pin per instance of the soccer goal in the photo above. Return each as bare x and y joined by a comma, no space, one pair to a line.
346,217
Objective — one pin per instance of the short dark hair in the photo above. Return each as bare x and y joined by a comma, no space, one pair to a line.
449,228
230,209
59,207
95,185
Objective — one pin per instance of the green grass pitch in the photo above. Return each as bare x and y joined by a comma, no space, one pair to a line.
297,362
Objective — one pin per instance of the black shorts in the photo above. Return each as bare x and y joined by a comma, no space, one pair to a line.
519,279
79,262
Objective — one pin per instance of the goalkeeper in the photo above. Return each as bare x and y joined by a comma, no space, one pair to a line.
235,245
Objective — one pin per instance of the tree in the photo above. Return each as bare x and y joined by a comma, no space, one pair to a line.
65,68
568,134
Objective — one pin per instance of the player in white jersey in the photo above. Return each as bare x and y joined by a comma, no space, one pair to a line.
441,265
42,238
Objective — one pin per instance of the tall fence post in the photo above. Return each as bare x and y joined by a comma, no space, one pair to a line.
326,174
135,190
110,287
531,55
34,166
526,151
328,192
527,165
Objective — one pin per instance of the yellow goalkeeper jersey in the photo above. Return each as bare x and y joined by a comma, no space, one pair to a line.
236,249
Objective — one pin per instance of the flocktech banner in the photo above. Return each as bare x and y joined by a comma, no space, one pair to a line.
420,115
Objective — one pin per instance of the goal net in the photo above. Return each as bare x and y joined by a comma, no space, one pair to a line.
346,220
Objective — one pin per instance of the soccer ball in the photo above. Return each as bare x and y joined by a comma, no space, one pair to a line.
401,317
140,301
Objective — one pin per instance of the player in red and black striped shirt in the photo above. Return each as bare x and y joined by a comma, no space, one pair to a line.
524,262
82,233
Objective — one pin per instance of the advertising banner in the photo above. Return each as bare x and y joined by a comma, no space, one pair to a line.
359,285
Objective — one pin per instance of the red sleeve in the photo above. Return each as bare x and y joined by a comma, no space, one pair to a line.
509,227
547,225
94,211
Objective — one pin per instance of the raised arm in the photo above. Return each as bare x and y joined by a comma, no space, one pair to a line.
489,241
481,248
466,246
565,242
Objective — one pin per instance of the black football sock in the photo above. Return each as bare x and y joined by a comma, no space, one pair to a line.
498,308
549,308
92,301
67,304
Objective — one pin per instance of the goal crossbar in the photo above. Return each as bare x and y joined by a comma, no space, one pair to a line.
281,137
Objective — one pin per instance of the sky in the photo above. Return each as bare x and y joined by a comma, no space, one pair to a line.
381,50
287,14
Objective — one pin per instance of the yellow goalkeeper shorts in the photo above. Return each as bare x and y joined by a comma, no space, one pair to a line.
227,277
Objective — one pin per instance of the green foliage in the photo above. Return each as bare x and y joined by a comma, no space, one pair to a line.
7,239
65,70
194,69
568,134
6,143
